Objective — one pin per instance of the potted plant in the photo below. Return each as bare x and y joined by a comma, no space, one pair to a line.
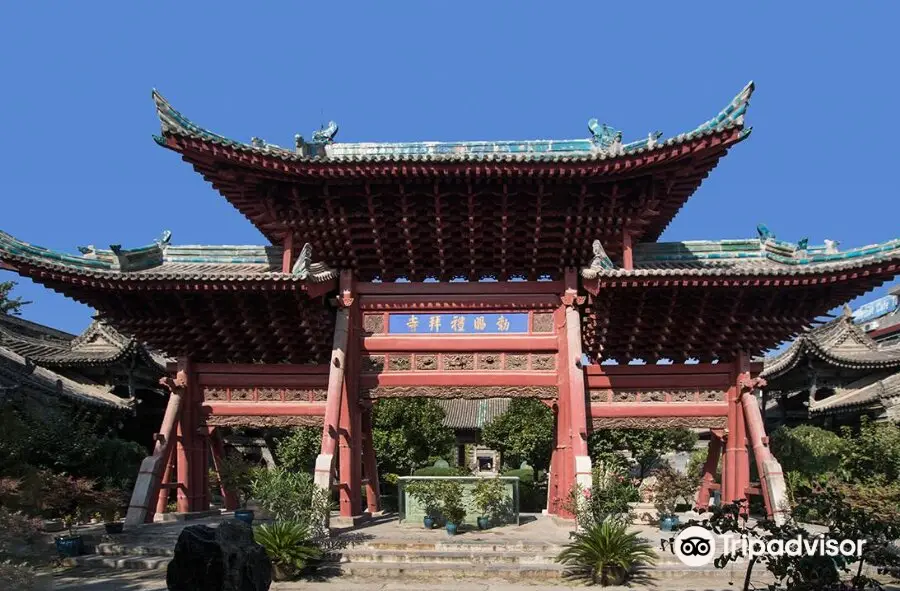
489,495
451,505
114,524
236,476
288,546
72,544
671,487
427,493
110,501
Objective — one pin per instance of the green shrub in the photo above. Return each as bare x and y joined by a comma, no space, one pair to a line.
288,545
605,552
809,454
291,496
236,476
427,493
16,576
672,488
441,471
298,450
450,499
532,494
872,454
490,498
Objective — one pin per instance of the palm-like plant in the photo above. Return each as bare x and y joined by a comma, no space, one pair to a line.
605,552
288,546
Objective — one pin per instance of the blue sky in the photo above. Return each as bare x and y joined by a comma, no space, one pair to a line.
79,165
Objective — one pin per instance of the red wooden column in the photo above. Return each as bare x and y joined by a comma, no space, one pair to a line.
736,475
627,250
570,462
370,466
713,454
287,256
350,423
216,446
163,499
189,452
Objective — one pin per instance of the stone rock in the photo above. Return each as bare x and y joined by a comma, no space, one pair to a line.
219,559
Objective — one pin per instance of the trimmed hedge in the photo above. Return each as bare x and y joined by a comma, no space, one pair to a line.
441,471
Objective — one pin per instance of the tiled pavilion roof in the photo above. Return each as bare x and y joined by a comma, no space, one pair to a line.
467,414
841,343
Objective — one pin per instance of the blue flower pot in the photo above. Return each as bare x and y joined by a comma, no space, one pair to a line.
429,522
245,515
69,546
484,522
451,529
668,523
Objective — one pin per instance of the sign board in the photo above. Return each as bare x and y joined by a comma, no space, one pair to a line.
876,309
411,324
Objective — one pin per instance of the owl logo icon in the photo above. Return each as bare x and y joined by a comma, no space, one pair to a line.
695,546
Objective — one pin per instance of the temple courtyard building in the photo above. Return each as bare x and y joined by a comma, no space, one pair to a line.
459,270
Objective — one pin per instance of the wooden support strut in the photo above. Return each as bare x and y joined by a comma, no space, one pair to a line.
710,467
146,486
324,470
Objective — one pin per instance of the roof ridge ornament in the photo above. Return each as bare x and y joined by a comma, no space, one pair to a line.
601,260
301,266
325,134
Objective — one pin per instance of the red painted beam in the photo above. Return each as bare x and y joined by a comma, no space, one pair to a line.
426,342
659,409
257,368
653,369
259,409
468,378
713,381
469,288
459,303
263,381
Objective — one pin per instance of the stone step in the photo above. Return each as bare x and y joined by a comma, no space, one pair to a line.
505,572
453,546
147,562
440,557
117,549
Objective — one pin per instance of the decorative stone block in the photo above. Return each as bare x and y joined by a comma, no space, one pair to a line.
426,362
543,362
489,361
459,362
372,363
516,361
542,323
400,363
712,396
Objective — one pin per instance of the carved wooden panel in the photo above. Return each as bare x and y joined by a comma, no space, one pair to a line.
543,362
372,363
399,362
215,394
658,422
241,394
542,323
543,392
373,324
426,362
516,361
254,421
489,361
463,361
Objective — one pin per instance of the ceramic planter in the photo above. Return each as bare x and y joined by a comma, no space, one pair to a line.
668,522
484,522
451,529
69,546
113,527
245,515
428,522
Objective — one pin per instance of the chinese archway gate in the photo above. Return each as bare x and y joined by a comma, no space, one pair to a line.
459,270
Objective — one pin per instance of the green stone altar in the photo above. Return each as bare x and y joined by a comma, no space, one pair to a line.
411,511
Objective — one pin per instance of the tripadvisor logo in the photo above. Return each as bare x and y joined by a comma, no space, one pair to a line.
696,546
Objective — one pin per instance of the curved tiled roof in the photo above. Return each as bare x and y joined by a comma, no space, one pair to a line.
739,258
605,142
17,371
162,261
862,393
472,414
840,343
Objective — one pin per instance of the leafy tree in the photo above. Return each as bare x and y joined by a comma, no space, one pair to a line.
297,451
873,454
10,305
406,432
646,446
523,433
807,454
